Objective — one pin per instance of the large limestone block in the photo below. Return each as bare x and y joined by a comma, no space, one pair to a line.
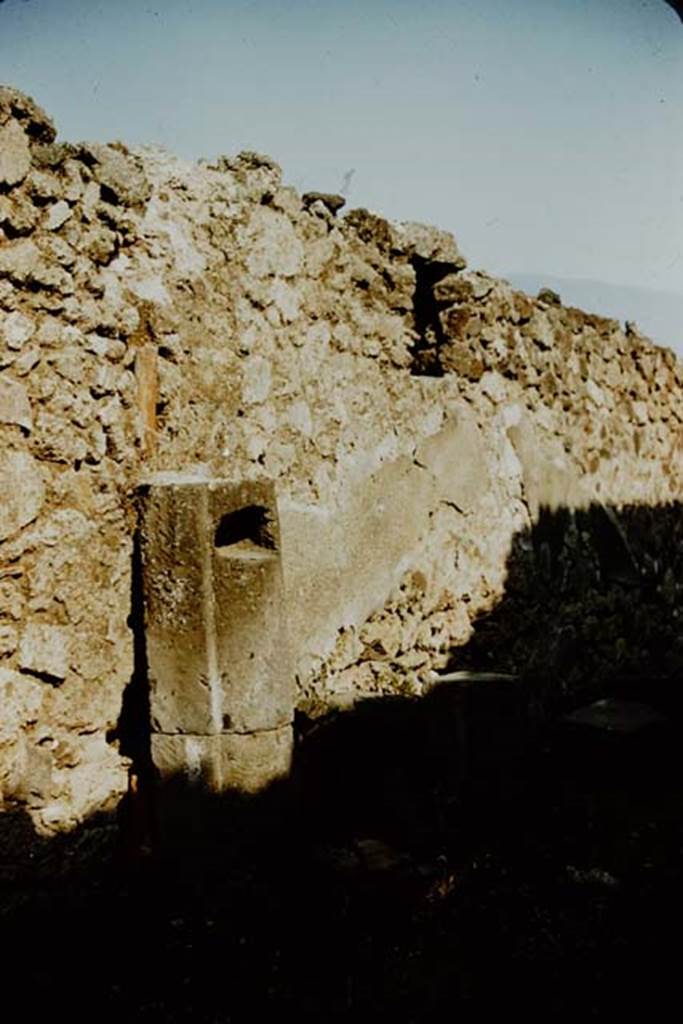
21,491
175,631
233,761
252,644
217,646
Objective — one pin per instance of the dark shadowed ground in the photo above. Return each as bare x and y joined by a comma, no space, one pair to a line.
445,858
554,889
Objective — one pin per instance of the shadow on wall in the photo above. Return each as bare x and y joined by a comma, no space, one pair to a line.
592,601
420,847
373,880
592,606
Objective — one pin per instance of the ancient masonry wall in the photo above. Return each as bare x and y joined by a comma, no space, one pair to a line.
417,419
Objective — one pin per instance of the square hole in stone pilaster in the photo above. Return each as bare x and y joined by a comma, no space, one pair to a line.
247,531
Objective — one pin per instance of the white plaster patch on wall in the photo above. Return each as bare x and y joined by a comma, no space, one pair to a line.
257,377
45,650
286,298
189,260
151,288
299,416
271,243
15,154
15,329
314,349
509,466
15,405
23,491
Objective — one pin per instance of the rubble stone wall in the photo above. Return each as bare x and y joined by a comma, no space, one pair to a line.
416,418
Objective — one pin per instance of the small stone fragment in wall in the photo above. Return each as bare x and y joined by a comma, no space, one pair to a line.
58,215
451,289
43,185
52,154
16,329
15,155
11,598
119,173
8,639
26,361
550,297
22,487
330,201
18,214
44,651
15,407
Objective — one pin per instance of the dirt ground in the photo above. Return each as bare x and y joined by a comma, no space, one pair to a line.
550,890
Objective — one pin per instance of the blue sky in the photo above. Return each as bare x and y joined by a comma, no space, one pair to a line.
546,134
